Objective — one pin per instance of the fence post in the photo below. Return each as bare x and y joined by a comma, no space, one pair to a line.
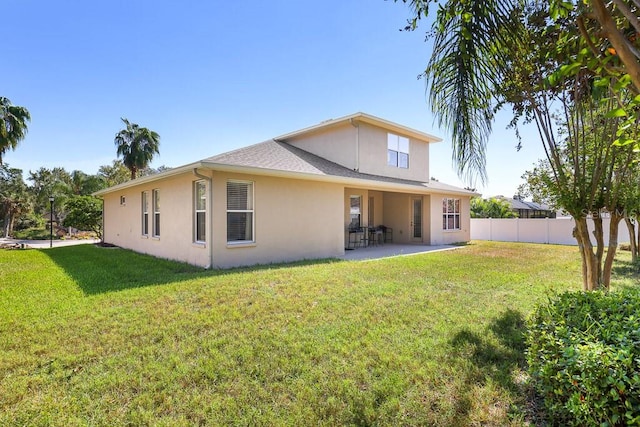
490,229
547,222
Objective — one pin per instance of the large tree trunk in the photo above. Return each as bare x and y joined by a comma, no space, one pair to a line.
633,243
638,238
11,220
611,252
598,233
589,263
6,224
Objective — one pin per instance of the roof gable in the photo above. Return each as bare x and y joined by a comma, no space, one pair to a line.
364,118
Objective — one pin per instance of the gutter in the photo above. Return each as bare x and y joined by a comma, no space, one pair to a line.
102,239
425,188
149,178
209,223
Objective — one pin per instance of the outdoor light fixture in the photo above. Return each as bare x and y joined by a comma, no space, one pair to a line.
51,199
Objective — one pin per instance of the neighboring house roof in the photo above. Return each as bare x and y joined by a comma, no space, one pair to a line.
521,204
277,158
365,118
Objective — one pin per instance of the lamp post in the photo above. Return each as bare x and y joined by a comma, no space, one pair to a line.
51,199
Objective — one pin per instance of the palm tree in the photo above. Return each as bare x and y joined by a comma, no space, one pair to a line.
474,45
13,125
137,146
469,54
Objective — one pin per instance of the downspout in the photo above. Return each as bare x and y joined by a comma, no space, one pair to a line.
210,210
355,125
102,237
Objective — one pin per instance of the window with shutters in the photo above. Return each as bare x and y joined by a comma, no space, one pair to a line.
200,211
145,213
240,213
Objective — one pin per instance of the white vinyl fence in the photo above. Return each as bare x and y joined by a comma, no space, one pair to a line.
543,230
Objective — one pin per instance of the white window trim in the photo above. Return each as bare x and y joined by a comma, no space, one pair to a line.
353,212
145,212
453,214
253,216
155,194
398,151
196,211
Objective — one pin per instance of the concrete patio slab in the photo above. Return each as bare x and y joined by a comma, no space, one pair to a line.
392,250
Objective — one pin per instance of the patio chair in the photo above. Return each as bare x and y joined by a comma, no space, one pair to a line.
357,237
376,235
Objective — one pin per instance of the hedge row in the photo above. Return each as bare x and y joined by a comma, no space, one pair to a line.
584,358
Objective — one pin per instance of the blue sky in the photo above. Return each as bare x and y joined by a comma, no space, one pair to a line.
211,76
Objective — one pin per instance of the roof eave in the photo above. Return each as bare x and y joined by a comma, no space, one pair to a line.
149,178
249,170
364,118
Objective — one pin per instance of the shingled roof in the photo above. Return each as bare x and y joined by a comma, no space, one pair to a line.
279,156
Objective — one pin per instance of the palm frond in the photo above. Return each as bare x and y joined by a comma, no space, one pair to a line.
470,44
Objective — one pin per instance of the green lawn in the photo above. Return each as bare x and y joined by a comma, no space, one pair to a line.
103,336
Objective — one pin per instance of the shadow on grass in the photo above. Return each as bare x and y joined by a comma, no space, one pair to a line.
482,359
628,269
98,270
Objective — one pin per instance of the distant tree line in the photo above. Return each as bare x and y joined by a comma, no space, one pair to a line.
26,205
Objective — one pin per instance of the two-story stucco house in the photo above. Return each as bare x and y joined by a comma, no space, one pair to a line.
294,197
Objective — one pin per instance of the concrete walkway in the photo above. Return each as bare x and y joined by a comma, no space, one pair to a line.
392,250
44,244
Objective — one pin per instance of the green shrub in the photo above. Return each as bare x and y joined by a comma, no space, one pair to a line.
29,220
34,234
584,358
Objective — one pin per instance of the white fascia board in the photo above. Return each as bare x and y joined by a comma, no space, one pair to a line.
149,178
425,188
365,118
355,182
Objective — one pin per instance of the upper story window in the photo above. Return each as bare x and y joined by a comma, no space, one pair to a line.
397,151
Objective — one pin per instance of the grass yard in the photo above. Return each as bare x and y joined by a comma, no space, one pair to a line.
97,336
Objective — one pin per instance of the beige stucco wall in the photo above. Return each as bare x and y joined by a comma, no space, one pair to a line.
398,214
373,155
378,205
444,237
294,220
338,144
363,147
123,224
